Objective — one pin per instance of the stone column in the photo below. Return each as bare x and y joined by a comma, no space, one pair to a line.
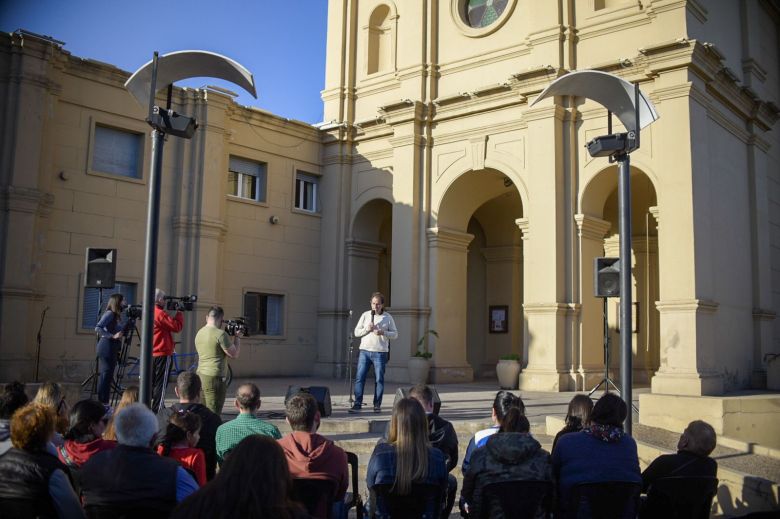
645,347
589,366
448,256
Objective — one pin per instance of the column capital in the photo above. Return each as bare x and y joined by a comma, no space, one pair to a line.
656,215
591,227
448,239
525,228
364,249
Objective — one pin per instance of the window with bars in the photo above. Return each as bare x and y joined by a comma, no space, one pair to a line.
117,152
91,313
306,192
264,313
247,179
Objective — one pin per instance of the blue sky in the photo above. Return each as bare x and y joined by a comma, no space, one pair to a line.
281,42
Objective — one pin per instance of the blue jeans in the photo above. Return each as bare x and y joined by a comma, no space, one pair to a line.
379,360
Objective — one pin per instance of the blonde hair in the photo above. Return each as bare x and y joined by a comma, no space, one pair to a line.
409,435
51,395
130,396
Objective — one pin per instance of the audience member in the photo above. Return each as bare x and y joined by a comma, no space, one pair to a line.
441,435
254,482
511,455
188,386
692,458
52,396
310,455
84,439
13,398
576,417
129,396
229,434
181,437
600,452
407,457
132,479
33,482
503,401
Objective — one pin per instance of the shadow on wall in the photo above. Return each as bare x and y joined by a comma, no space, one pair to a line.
759,499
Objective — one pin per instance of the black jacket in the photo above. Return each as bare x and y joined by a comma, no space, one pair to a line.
24,483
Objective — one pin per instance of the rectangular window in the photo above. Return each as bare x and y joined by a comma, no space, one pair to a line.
117,152
89,314
306,192
264,313
246,179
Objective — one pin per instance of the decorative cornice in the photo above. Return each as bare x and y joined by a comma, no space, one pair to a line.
590,227
525,228
409,311
26,200
364,249
764,314
656,214
333,312
199,227
687,306
448,239
559,309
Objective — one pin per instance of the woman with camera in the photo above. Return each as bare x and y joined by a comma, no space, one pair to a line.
110,329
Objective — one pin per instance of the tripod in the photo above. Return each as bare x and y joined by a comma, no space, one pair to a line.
606,381
93,378
116,385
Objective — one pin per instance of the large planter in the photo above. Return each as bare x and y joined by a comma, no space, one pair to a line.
418,370
508,372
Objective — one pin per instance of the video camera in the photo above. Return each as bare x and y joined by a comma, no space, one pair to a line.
180,304
133,311
233,326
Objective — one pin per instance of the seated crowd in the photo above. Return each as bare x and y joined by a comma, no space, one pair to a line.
86,461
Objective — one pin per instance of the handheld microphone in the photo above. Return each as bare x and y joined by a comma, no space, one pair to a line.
373,313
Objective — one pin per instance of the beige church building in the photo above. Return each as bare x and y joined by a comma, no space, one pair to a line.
431,179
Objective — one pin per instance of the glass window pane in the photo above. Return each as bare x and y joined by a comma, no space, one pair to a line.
274,320
89,314
117,152
232,183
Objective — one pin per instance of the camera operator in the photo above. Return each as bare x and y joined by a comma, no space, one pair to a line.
214,347
165,326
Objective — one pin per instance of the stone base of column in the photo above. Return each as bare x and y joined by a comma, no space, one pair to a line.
451,374
544,380
695,384
587,379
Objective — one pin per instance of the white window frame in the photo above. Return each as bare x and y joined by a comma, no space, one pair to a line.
302,178
282,313
261,176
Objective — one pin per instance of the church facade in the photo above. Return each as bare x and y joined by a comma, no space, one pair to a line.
434,181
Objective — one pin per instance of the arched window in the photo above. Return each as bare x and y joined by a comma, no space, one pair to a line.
380,39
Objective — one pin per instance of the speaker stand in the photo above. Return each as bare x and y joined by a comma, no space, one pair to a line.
93,378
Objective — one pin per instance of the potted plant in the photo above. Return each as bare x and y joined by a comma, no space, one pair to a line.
508,371
420,362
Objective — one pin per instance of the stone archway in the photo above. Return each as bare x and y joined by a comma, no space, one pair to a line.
369,251
475,263
598,236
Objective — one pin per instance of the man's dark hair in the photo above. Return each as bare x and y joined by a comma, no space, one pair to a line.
504,401
609,410
188,384
13,398
248,396
216,312
301,411
422,394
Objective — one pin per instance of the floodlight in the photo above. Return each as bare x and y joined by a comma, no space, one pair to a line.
635,111
162,72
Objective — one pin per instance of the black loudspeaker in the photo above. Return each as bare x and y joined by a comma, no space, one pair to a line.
100,269
320,393
404,393
606,277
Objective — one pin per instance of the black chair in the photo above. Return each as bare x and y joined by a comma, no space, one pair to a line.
680,496
603,500
316,495
519,499
353,497
423,502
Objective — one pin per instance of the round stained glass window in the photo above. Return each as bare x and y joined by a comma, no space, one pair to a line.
481,13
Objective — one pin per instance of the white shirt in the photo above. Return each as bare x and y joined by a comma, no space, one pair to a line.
370,341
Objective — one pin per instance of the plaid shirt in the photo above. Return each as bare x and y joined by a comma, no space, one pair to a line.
230,434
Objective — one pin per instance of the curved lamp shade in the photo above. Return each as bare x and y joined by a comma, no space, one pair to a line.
614,93
184,64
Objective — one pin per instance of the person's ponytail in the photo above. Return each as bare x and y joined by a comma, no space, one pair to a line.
514,421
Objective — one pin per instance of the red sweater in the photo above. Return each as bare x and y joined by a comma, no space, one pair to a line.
316,457
79,453
191,459
164,328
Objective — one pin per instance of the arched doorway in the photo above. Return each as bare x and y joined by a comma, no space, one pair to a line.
599,236
370,252
476,266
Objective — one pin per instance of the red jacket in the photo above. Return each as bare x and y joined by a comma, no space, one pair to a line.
164,328
316,457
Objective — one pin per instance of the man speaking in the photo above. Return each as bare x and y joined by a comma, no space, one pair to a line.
375,328
165,326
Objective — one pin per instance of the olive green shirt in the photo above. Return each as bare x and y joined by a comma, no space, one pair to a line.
211,343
